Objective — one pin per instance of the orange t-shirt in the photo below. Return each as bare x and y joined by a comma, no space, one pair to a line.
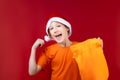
63,65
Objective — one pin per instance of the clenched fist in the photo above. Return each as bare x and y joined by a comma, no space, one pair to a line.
38,43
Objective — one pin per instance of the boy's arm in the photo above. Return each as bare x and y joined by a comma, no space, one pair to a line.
33,67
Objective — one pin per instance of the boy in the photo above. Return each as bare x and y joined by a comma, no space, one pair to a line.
65,65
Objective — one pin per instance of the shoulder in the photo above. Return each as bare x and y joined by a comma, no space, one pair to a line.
53,46
51,50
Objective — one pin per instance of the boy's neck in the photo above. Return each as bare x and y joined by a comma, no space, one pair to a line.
66,43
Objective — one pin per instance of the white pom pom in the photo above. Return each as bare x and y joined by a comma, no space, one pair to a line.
47,38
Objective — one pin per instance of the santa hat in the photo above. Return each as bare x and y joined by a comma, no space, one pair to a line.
57,19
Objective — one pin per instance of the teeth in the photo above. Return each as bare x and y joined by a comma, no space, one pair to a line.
58,35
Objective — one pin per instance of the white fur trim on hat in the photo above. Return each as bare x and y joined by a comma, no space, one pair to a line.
61,20
47,38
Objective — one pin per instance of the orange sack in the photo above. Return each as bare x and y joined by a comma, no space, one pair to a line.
91,60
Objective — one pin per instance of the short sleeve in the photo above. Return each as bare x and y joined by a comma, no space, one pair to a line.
43,59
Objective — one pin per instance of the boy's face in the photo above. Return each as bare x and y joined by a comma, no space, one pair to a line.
58,32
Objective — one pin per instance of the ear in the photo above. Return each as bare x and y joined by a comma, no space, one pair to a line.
68,30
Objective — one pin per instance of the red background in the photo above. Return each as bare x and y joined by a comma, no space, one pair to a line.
23,21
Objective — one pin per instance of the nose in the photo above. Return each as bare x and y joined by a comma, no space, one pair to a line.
55,30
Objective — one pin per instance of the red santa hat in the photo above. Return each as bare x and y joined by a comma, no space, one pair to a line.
57,19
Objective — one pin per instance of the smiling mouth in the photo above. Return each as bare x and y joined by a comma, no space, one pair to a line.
58,35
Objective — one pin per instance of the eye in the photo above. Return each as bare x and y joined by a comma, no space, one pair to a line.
50,28
58,25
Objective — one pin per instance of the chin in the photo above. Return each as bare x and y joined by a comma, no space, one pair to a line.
59,41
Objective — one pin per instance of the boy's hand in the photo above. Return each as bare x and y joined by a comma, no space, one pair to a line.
101,41
38,43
